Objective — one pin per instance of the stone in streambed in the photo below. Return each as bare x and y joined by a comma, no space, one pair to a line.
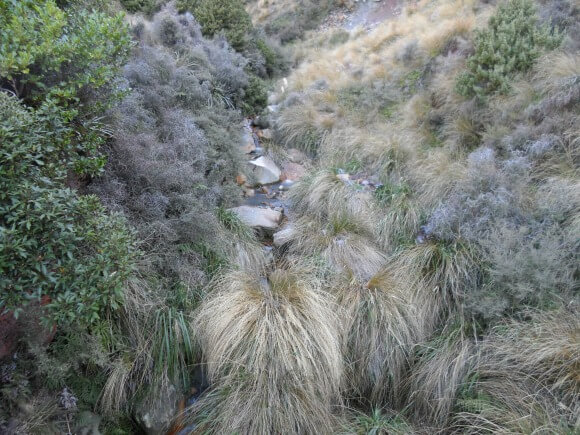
265,170
154,415
259,218
247,144
292,171
265,134
286,185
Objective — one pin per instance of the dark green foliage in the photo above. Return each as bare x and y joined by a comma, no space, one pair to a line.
215,16
38,62
146,6
256,96
52,241
510,44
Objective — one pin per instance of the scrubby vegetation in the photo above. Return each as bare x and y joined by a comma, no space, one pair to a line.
427,280
456,239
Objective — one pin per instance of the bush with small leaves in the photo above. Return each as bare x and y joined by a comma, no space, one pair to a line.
68,58
146,6
511,43
214,16
53,242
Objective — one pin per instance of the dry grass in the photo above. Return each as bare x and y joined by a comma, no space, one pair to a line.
161,352
343,244
376,422
381,329
528,379
446,269
271,340
441,372
323,194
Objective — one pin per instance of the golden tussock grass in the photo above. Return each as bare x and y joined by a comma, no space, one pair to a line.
341,243
381,329
322,194
272,353
528,377
439,375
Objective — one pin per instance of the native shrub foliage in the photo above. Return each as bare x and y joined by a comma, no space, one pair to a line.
216,16
176,155
510,44
54,242
64,57
146,6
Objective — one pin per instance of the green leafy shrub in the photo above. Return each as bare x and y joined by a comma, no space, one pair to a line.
256,96
64,58
217,15
52,241
510,44
49,52
146,6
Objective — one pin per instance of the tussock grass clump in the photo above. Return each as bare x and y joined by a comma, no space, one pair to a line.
272,353
377,422
381,329
400,214
162,351
439,375
303,127
342,243
447,270
527,379
322,194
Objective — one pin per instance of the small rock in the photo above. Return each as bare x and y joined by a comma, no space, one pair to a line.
286,185
343,177
282,237
247,144
265,170
249,193
241,179
155,414
292,171
259,218
266,134
264,190
296,156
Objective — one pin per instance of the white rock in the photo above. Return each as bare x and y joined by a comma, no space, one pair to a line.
259,218
265,170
